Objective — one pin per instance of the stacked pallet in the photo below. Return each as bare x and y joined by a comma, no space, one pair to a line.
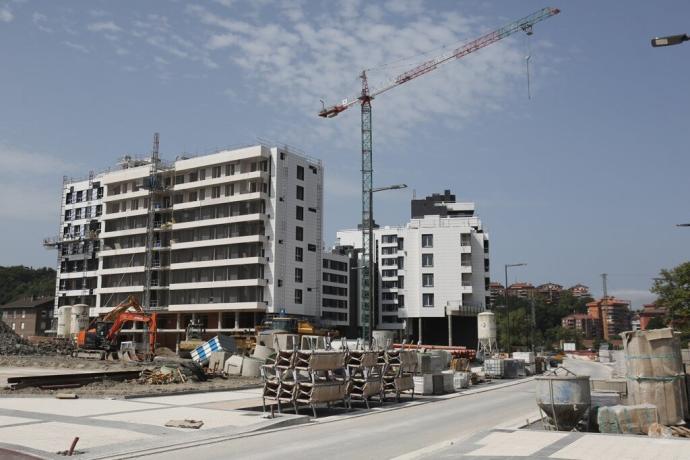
365,376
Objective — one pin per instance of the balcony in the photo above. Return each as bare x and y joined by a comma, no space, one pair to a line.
126,213
222,180
217,263
257,306
218,221
218,242
126,196
221,200
218,284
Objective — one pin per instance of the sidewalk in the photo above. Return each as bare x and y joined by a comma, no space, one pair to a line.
503,444
111,427
43,426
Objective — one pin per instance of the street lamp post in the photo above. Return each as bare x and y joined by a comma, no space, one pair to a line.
368,328
505,292
669,40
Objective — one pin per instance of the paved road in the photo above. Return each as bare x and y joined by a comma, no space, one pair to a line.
381,435
593,369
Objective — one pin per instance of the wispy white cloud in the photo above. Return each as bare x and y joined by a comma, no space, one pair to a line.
6,15
40,21
76,46
104,26
296,59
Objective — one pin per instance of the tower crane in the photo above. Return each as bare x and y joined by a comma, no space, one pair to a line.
364,100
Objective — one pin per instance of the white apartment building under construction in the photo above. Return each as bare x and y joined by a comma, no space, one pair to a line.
224,237
433,272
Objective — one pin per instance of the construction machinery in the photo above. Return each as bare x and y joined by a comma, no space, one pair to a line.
101,337
194,336
364,100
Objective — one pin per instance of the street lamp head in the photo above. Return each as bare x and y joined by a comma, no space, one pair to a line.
390,187
522,264
669,40
682,225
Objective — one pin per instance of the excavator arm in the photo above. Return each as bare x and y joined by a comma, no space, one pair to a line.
145,318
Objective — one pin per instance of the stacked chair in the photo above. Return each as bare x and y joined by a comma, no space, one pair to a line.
400,366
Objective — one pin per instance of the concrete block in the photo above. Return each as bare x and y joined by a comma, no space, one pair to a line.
217,360
233,366
448,386
619,386
251,367
423,384
262,352
437,380
461,380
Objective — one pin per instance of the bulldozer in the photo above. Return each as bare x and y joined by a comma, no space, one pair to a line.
100,339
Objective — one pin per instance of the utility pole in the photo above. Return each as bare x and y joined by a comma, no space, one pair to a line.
604,276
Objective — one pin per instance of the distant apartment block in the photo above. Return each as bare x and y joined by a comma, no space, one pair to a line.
582,323
433,272
521,290
579,290
612,316
649,312
550,292
225,238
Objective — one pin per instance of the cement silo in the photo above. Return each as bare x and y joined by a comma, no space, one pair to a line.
64,321
486,332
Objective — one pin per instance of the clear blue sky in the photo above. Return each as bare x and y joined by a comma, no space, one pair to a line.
589,176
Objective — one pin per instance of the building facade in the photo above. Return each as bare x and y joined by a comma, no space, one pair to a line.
224,238
28,316
611,316
433,273
582,323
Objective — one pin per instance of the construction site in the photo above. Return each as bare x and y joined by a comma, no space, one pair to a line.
196,304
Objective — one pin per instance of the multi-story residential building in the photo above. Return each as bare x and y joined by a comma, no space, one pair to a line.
582,323
433,272
496,290
339,290
550,292
521,290
77,242
28,316
579,290
611,315
224,238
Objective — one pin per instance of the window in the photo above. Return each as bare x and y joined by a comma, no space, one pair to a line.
134,204
300,172
311,247
401,301
312,209
23,314
428,241
202,194
299,233
401,263
298,275
401,244
427,260
389,273
389,238
87,212
428,300
299,213
21,326
299,254
215,172
300,192
215,192
280,283
77,213
68,214
298,296
193,177
428,280
230,170
230,190
401,282
202,174
192,196
99,210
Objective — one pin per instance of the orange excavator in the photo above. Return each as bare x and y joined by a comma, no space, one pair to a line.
100,337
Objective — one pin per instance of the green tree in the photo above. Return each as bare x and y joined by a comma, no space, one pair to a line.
656,323
673,292
19,281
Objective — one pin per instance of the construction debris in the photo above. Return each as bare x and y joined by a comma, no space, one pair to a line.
66,396
12,344
187,423
627,419
161,376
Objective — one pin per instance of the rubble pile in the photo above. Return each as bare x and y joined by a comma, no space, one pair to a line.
161,376
12,344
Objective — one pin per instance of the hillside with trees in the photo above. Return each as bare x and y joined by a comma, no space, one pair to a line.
20,281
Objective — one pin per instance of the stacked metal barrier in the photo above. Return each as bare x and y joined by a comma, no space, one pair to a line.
365,376
400,366
306,377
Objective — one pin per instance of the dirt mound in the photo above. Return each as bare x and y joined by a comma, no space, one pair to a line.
12,344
